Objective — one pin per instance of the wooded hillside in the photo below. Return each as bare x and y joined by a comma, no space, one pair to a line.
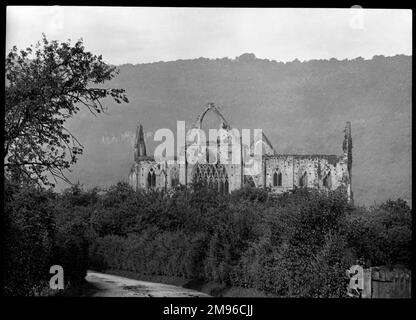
301,106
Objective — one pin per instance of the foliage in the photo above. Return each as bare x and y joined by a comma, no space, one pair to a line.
296,244
383,234
42,229
250,194
28,239
45,86
72,214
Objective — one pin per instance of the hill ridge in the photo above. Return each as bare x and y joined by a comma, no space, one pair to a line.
236,59
301,106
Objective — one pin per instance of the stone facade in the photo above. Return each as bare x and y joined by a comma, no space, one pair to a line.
278,172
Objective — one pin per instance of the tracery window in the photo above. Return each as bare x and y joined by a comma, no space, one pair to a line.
214,175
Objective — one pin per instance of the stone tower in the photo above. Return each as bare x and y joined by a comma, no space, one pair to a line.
139,145
347,149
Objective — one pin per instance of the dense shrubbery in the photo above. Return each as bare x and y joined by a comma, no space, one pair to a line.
383,234
42,229
28,238
297,244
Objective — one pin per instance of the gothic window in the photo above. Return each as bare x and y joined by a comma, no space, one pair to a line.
151,178
226,186
303,181
277,178
327,181
214,175
174,177
161,178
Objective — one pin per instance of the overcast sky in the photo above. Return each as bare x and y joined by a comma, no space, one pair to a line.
137,35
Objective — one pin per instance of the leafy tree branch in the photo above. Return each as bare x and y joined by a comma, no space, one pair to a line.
47,84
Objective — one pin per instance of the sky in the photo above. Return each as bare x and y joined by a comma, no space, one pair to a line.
150,34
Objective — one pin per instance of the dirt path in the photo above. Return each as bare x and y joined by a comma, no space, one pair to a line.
108,285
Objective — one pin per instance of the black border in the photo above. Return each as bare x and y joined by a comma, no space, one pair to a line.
151,308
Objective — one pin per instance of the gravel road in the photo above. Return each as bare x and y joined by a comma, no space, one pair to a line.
108,285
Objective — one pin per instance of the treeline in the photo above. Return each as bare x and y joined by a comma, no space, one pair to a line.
297,244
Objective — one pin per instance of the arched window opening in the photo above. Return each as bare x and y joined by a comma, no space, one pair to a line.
151,178
327,182
303,181
154,180
277,179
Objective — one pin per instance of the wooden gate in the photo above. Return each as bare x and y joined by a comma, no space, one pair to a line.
379,282
390,283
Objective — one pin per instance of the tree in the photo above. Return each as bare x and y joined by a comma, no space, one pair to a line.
45,86
247,57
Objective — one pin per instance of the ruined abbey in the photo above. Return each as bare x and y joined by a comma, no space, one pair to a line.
278,172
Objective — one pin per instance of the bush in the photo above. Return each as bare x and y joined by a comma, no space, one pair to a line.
295,244
28,239
43,229
275,244
382,235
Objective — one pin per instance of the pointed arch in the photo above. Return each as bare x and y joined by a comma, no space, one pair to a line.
303,180
151,178
213,108
277,178
161,178
214,175
327,181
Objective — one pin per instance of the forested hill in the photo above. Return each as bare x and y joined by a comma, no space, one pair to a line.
301,106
